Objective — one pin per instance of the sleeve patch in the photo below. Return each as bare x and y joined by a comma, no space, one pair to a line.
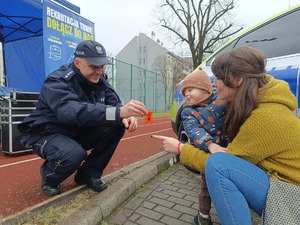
111,114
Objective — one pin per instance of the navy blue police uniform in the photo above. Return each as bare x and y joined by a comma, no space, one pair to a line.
72,116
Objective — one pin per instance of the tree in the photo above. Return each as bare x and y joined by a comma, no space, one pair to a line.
201,24
172,70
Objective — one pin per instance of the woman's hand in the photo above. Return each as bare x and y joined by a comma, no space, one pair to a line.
213,148
170,144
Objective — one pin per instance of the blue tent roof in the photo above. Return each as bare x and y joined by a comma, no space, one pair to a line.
21,19
22,33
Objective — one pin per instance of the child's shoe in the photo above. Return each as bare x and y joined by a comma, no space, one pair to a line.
200,220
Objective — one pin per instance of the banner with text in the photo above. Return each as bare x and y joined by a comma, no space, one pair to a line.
63,30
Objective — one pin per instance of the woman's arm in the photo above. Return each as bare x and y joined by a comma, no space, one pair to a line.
189,155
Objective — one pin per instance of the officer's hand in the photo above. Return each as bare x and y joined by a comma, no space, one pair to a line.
133,108
130,123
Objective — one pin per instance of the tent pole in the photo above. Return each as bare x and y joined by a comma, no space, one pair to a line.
2,73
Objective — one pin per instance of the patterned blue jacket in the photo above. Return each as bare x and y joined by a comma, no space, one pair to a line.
204,123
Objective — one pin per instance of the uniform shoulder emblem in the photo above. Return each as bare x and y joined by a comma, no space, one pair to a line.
68,74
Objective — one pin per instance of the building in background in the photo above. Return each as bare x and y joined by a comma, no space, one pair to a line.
145,70
142,51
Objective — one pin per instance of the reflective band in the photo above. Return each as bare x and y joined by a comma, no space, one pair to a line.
110,113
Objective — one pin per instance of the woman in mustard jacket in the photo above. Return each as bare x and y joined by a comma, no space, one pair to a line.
263,137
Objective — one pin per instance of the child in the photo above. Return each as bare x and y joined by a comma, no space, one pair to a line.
203,116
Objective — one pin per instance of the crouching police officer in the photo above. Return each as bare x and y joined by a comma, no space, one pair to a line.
78,110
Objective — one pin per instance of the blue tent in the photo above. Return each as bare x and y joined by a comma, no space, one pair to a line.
21,34
20,19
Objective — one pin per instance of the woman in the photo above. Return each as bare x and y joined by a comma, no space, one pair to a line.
263,137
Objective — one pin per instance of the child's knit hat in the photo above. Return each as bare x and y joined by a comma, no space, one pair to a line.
197,79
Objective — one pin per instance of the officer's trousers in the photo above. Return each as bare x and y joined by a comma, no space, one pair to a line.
64,155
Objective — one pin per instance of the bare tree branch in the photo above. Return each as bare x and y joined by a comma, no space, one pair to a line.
172,69
202,24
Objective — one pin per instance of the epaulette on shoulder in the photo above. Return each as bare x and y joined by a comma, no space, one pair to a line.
68,74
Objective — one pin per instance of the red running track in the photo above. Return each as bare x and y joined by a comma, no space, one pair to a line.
20,184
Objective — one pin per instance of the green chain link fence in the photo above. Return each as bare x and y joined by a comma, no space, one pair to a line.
133,82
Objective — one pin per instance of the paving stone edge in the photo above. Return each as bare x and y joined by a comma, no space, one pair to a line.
105,203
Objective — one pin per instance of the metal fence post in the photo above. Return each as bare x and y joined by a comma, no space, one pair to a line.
113,72
145,87
139,85
130,81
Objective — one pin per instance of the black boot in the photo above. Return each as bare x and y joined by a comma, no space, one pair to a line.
49,189
96,184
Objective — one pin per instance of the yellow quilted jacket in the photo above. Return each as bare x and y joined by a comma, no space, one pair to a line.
269,138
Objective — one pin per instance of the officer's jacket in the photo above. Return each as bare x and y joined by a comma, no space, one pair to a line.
68,101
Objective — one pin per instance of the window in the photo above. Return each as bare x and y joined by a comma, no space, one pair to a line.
226,48
278,37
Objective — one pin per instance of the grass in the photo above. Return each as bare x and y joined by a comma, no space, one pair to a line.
159,114
162,114
55,214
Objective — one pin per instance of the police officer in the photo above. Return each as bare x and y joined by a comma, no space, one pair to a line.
78,110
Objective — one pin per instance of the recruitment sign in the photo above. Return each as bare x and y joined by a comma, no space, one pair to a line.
63,30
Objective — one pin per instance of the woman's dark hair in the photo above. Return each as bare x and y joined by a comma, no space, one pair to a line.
248,63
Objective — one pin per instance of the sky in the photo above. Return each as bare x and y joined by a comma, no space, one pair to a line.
118,21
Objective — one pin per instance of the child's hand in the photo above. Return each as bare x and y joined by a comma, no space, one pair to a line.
216,148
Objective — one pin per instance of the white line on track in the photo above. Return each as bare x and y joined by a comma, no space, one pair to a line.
15,163
153,124
140,135
123,139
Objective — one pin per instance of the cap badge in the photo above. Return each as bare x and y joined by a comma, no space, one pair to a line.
99,50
